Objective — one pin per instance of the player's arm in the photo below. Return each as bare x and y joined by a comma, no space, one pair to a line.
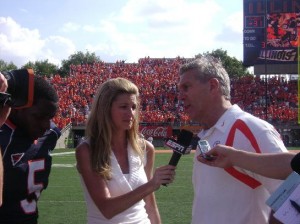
4,111
272,165
150,200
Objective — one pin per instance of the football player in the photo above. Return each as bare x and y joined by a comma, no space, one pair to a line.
26,140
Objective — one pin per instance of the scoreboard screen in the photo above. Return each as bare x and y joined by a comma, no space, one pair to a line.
271,31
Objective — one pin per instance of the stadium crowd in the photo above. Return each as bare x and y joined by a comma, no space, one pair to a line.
157,80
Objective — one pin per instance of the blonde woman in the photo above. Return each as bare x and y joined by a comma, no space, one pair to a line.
115,164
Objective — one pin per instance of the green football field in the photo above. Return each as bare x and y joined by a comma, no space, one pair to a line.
63,203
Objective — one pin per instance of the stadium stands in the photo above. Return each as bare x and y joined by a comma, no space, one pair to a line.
157,79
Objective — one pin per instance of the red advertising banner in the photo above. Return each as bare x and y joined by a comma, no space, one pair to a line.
156,131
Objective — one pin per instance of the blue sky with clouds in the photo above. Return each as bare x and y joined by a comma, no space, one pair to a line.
33,30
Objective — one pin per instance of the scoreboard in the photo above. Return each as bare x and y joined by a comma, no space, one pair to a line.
271,31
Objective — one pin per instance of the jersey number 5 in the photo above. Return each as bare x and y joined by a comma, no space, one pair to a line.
29,206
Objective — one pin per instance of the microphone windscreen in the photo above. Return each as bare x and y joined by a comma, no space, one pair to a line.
185,138
295,163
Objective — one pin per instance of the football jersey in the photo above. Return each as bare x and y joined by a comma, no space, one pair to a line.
27,167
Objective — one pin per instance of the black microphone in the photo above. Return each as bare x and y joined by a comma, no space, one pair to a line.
295,163
179,147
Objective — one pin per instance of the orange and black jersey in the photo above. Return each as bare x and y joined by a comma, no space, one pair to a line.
27,167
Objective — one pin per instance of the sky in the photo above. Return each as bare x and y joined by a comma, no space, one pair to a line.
38,30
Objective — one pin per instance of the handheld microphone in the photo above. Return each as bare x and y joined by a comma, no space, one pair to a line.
295,163
179,147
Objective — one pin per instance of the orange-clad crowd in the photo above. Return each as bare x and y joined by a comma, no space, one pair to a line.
157,80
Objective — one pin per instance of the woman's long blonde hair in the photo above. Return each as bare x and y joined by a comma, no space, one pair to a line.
99,124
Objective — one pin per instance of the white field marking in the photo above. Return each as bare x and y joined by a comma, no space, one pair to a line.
63,165
62,153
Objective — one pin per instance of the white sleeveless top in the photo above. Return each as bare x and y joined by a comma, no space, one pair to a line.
119,185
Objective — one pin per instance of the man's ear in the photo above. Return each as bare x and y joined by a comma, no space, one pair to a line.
214,85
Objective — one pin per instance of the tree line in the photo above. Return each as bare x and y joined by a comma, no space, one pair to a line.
234,67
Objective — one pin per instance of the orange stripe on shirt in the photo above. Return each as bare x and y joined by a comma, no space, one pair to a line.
246,179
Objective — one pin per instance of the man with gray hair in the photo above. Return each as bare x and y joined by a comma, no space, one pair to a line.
231,195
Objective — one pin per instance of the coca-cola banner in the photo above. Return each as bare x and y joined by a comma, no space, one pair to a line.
156,131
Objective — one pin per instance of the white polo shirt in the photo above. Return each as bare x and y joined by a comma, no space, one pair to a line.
237,196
